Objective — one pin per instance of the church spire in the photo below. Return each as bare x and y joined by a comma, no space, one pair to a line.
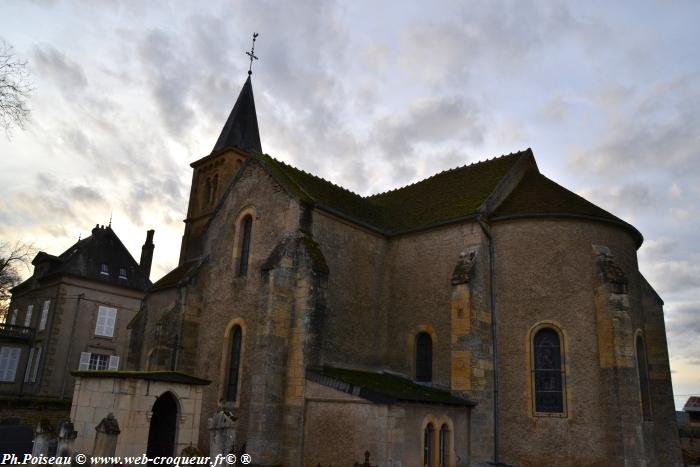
241,128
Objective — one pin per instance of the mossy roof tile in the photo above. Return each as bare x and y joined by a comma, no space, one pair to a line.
447,196
386,388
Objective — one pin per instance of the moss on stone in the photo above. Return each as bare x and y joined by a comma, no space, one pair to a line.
392,386
166,376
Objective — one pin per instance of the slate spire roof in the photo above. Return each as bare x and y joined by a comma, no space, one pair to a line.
241,128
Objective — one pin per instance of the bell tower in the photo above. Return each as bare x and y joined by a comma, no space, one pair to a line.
213,173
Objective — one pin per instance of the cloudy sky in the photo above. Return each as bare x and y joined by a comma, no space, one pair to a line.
372,95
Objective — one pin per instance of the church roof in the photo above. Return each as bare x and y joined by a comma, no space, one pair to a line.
177,276
383,388
447,196
85,259
241,128
538,196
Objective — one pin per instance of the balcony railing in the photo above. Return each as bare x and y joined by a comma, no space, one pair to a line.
11,331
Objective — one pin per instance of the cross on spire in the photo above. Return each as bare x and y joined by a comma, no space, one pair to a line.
251,54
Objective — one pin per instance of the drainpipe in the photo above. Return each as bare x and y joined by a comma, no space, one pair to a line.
494,336
70,340
178,337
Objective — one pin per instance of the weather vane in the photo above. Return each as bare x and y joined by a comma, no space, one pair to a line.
251,54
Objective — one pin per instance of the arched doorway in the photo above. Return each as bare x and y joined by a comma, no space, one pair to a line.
161,434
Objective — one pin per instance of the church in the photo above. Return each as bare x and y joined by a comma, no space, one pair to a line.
483,315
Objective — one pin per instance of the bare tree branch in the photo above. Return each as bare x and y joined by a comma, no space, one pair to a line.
15,88
12,259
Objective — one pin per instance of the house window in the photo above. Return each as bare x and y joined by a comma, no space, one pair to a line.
32,370
13,316
122,273
106,317
444,445
104,269
424,358
234,364
548,376
93,361
643,375
428,434
246,226
44,315
98,362
28,317
9,358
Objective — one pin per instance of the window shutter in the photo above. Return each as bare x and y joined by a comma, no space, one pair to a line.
44,315
111,320
28,318
14,359
37,359
28,371
84,361
106,318
113,362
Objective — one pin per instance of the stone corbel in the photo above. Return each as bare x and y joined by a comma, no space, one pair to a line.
462,273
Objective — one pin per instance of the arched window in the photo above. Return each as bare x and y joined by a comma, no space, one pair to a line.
444,445
246,226
643,373
234,364
547,372
428,445
424,358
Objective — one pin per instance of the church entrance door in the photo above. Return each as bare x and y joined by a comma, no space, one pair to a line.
161,434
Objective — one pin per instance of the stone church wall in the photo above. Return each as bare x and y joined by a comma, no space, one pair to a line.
547,272
339,428
230,299
355,330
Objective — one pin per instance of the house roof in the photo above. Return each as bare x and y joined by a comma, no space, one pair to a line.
383,388
241,128
85,258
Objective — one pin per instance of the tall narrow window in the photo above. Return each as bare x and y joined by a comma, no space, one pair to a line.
643,373
246,226
428,446
547,372
44,315
106,319
28,316
424,358
9,357
234,364
444,445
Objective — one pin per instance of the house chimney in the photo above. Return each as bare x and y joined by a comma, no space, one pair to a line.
147,254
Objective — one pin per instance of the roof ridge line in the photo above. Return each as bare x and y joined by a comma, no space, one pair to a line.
445,171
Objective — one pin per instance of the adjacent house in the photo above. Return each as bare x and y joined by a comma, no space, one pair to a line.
71,314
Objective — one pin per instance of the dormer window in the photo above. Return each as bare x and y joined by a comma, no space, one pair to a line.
122,273
104,269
